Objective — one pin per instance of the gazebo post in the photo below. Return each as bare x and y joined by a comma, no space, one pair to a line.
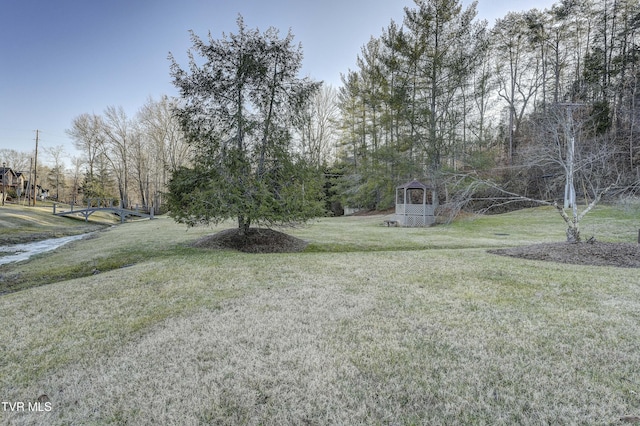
404,207
424,207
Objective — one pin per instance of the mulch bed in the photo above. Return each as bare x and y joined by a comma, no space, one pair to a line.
257,240
624,255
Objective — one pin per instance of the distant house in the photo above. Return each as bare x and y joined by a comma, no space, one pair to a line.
18,183
42,193
21,184
9,181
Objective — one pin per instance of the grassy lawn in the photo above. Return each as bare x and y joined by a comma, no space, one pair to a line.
19,224
370,325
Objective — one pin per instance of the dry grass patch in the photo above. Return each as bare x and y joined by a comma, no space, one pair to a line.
261,358
447,336
368,233
20,224
442,337
113,248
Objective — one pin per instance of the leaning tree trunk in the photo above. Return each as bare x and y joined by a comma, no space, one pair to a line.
573,223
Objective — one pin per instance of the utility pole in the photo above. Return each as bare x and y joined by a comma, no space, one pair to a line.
29,192
4,173
35,172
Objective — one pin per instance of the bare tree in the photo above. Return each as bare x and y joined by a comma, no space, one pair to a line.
87,132
316,126
16,160
56,176
517,72
573,160
166,149
75,177
119,134
140,161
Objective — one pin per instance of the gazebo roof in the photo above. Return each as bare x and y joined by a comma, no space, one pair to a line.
414,184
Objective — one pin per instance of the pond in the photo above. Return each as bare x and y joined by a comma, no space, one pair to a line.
20,252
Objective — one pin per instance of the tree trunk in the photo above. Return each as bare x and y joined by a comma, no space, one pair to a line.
243,225
573,224
573,234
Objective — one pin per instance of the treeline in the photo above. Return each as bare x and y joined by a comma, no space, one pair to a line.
442,95
128,159
133,159
125,159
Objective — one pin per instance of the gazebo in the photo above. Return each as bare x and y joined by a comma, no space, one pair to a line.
415,204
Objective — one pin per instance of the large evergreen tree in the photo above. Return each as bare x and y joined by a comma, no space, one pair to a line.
238,103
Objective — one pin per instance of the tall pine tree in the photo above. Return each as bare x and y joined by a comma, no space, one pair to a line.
238,103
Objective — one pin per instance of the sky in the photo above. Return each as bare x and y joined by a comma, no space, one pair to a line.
62,58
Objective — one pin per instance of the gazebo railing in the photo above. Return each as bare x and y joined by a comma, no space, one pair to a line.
415,209
415,214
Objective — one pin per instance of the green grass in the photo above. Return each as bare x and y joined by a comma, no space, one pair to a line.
371,325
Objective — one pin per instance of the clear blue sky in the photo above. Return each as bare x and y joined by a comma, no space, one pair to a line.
62,58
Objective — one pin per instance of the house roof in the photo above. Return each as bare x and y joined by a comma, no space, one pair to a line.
5,170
